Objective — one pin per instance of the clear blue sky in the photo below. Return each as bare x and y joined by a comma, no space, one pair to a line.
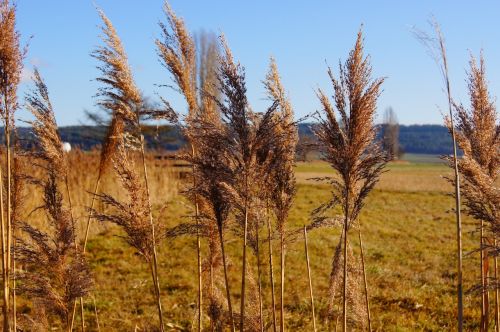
301,35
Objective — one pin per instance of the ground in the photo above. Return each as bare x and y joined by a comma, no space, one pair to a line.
409,238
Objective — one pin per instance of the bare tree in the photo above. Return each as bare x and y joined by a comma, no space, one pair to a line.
390,134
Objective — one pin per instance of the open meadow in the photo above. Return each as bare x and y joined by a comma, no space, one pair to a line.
408,239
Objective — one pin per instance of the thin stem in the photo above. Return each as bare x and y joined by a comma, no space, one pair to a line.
155,259
282,283
365,281
226,279
198,248
82,314
483,289
200,286
457,186
211,282
70,203
486,266
96,315
271,269
85,240
72,320
154,276
9,198
346,221
244,263
89,218
310,279
495,266
14,301
4,261
259,278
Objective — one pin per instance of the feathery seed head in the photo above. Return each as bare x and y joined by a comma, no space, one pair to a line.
11,61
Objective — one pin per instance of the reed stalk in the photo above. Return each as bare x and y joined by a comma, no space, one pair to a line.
458,215
155,258
5,306
68,194
365,281
346,226
282,282
244,260
226,279
96,315
259,277
495,266
200,281
89,217
271,269
9,196
309,279
437,49
486,291
483,285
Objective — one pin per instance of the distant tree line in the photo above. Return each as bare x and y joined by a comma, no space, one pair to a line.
425,139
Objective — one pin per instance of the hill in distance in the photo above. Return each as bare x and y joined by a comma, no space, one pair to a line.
421,139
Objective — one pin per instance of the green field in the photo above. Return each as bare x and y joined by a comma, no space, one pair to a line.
409,237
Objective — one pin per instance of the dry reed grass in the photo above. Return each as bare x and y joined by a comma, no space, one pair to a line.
242,167
54,273
478,135
349,145
11,65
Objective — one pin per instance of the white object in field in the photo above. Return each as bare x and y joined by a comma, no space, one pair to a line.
66,147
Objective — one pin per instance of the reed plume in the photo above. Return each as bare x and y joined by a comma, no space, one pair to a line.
56,272
281,180
11,58
478,135
349,145
121,96
132,215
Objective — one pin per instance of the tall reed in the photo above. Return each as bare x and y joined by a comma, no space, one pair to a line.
211,163
193,70
365,281
349,144
58,273
281,174
247,133
478,136
120,94
437,50
11,58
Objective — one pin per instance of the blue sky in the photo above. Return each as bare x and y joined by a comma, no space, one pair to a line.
303,36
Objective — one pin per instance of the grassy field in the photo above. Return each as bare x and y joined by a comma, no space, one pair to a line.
409,237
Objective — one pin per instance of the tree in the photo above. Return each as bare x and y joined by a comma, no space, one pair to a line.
390,134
